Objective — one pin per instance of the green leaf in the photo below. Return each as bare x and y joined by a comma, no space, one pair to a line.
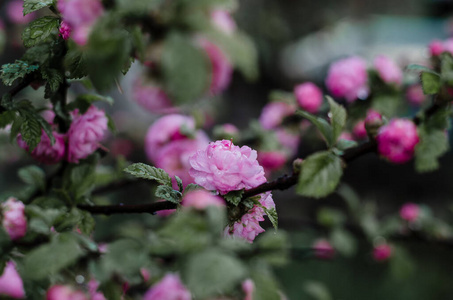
191,187
430,83
316,290
30,130
75,63
6,118
86,223
11,72
272,215
34,176
212,272
402,266
322,125
343,241
273,247
185,69
388,105
142,170
39,30
415,67
179,182
338,118
433,144
83,102
34,5
234,197
266,287
330,217
168,193
54,79
343,144
50,258
320,175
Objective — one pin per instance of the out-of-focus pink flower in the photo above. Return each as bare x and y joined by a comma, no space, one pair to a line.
248,286
448,46
45,152
309,97
221,68
347,78
64,292
388,70
145,274
48,115
436,48
11,284
288,140
65,30
359,130
85,133
122,147
152,97
93,286
397,140
200,199
415,94
225,167
373,117
273,114
14,220
15,13
271,160
223,21
323,249
346,136
169,288
410,212
382,252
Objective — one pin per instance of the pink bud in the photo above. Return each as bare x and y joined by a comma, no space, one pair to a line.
65,30
309,97
359,130
14,220
223,21
415,94
436,48
200,199
373,117
64,292
271,160
248,287
93,286
11,284
388,70
410,212
170,287
273,114
323,249
382,252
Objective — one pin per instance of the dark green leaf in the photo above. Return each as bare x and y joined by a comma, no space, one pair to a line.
142,170
39,30
168,193
30,130
75,63
86,223
34,176
430,83
53,81
330,217
388,105
6,118
11,72
317,290
272,215
83,102
433,144
179,182
322,125
234,197
343,241
33,5
338,118
191,187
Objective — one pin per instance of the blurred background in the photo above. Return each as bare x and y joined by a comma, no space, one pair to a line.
296,42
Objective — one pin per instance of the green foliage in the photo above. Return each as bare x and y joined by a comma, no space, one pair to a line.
84,101
387,104
6,118
320,175
272,215
11,72
179,182
234,197
75,62
273,248
191,187
34,5
34,176
144,171
430,83
39,30
317,290
338,118
343,241
168,193
30,130
53,80
433,144
322,125
330,217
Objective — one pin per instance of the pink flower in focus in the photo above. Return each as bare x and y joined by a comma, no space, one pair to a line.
347,78
248,287
151,97
388,70
359,130
271,160
14,220
225,167
382,252
64,292
273,114
397,140
436,48
309,97
223,21
415,94
45,152
323,249
169,288
11,284
200,199
85,133
221,69
65,30
410,212
15,13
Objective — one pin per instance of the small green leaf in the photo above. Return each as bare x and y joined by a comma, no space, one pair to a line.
320,175
272,215
75,63
86,223
191,187
142,170
39,30
54,79
317,290
179,182
388,105
234,197
322,125
415,67
83,102
343,241
11,72
34,5
433,144
430,83
34,176
6,118
168,193
30,130
338,118
343,144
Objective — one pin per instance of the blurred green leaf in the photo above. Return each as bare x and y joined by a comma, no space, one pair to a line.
234,197
34,176
330,217
388,105
323,126
273,247
430,83
401,264
317,290
39,30
272,215
433,144
343,241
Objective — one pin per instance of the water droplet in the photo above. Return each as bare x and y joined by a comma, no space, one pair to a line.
80,279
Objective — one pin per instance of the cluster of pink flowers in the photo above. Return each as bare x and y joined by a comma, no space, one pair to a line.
14,221
45,152
11,284
200,199
388,70
347,78
168,288
410,212
309,97
152,97
397,140
79,17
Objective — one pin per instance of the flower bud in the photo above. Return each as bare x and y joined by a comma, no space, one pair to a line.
248,286
382,252
11,284
410,212
169,287
14,220
359,130
309,97
323,249
436,48
373,122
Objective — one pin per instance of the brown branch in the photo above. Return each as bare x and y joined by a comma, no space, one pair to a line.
151,208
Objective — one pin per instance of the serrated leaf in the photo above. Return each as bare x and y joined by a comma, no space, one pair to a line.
323,126
142,170
30,130
320,175
430,83
11,72
53,81
34,176
272,215
179,182
75,63
338,118
433,144
191,187
168,193
34,5
234,197
39,30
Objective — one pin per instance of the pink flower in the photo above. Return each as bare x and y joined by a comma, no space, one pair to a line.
415,94
45,152
359,130
85,133
410,212
436,48
223,21
347,78
309,97
151,97
388,70
93,286
15,13
221,69
397,140
64,292
225,167
248,287
346,136
169,288
11,284
273,114
271,160
373,117
323,249
288,140
145,274
14,220
200,199
382,252
65,30
448,45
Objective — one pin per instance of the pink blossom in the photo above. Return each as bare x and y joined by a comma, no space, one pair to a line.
346,136
48,115
271,160
11,284
359,130
64,292
388,70
448,46
65,30
85,133
410,212
221,68
200,199
273,114
309,97
223,21
93,286
45,152
382,252
225,167
288,140
14,220
15,13
436,48
348,78
397,140
169,288
248,286
415,94
323,249
152,97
